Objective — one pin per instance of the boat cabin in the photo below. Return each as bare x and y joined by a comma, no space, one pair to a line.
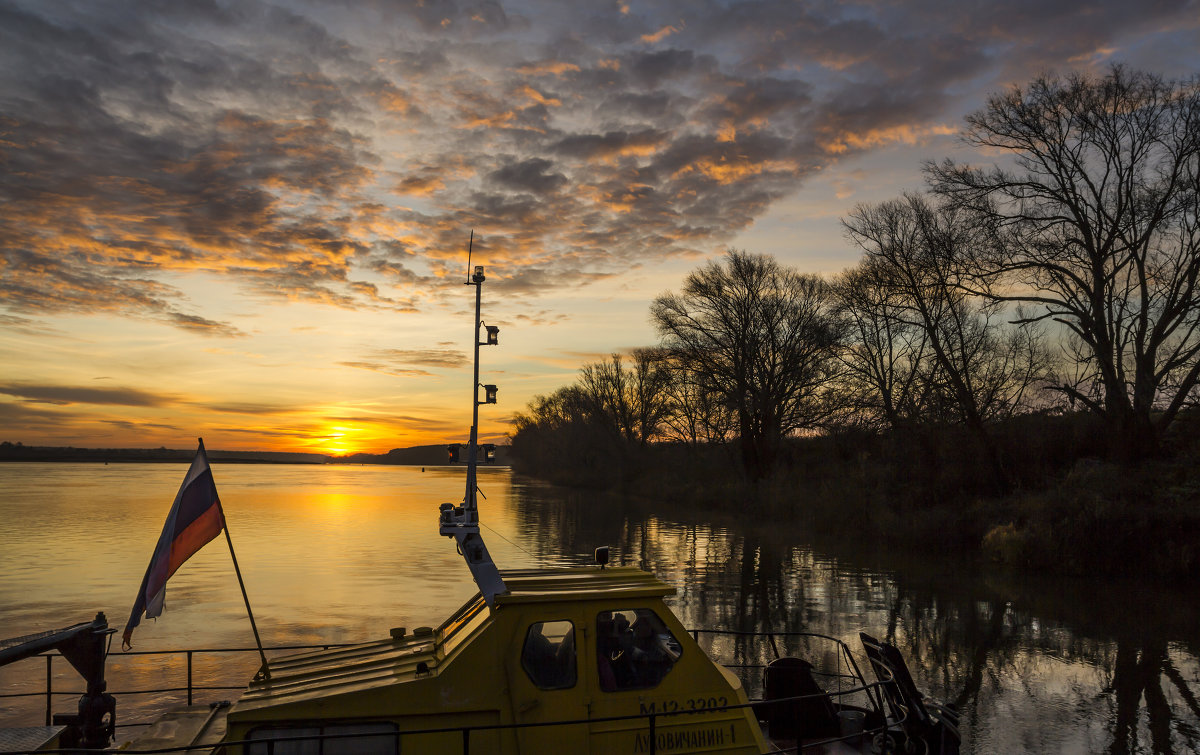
595,648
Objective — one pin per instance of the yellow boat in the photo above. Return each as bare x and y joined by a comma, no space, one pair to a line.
592,646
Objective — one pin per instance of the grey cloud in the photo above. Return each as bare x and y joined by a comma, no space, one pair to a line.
590,146
448,16
203,325
387,369
662,108
541,317
265,433
532,175
448,358
764,97
25,417
652,69
69,394
400,362
430,424
534,281
127,425
250,408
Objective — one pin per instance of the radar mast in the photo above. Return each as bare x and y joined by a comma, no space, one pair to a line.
462,522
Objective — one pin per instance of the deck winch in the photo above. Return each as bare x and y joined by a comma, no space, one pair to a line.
85,646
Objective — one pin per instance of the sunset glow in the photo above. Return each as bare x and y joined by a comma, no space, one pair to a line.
248,220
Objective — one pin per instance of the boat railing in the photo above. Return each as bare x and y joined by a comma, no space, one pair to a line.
846,670
849,679
652,720
49,692
842,670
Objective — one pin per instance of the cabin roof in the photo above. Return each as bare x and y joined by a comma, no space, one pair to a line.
321,674
588,583
345,670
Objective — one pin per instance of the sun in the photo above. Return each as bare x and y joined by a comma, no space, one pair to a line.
339,441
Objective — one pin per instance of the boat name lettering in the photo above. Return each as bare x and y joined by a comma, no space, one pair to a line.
687,739
674,706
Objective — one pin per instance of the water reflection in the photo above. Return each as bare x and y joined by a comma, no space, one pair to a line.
1035,664
341,554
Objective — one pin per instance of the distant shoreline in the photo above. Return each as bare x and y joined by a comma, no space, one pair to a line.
119,460
430,456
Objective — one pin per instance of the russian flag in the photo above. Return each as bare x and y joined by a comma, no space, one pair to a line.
195,519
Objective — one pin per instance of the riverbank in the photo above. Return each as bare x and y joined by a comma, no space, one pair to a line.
1062,509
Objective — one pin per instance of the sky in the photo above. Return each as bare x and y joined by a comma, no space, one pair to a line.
249,220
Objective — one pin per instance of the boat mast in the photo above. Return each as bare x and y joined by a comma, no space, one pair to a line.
469,500
462,522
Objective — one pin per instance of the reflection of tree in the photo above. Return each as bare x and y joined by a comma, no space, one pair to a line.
1138,673
1176,678
988,629
1028,664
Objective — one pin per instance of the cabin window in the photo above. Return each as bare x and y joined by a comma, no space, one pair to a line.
635,650
371,739
549,654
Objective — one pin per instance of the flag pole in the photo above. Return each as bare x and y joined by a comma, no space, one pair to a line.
266,669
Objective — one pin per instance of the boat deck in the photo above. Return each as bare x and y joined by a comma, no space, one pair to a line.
197,725
28,738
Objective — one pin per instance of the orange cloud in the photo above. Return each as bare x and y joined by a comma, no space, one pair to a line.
421,186
727,171
661,34
495,120
625,200
1092,57
839,60
875,138
393,100
533,94
551,67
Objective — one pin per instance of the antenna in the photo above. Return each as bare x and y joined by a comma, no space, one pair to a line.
462,522
470,247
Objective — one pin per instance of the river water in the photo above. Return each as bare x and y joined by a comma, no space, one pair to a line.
336,554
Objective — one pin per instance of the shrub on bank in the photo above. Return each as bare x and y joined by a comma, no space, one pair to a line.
932,486
1108,519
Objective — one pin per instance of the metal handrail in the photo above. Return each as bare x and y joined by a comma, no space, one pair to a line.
872,690
49,693
872,694
651,719
326,646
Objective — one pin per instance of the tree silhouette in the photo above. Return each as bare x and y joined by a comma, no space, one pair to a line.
1100,219
765,338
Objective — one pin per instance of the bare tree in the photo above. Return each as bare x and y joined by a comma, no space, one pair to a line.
555,434
632,401
887,357
978,366
1101,217
699,414
763,337
558,410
